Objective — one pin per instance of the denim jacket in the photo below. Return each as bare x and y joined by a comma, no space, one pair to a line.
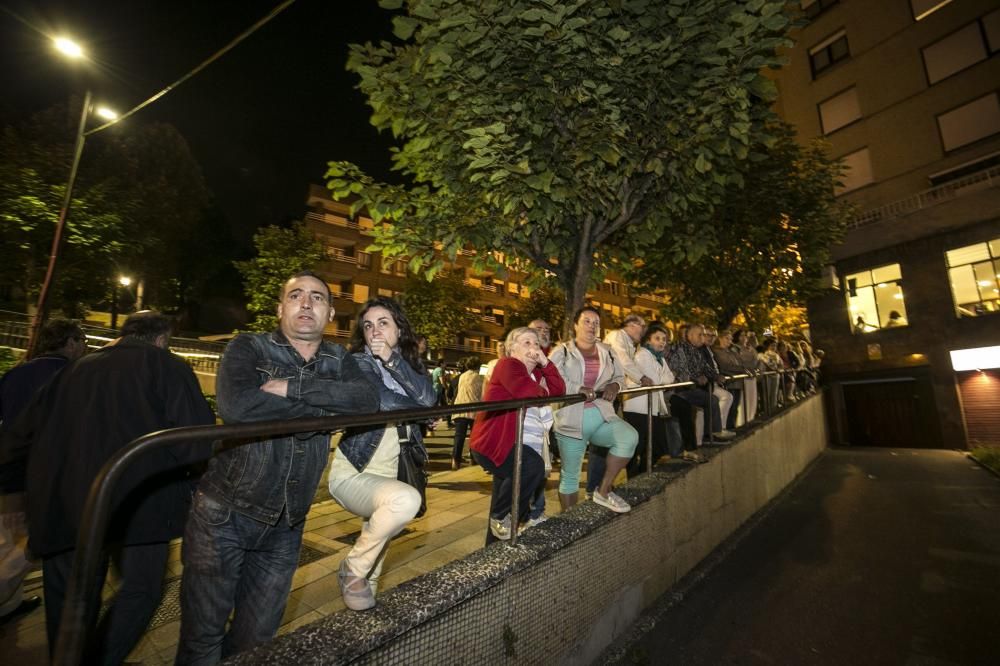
359,444
266,476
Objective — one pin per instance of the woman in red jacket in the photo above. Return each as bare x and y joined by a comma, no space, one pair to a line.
524,373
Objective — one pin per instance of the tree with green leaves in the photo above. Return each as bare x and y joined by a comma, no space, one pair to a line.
772,237
137,209
281,253
571,136
437,308
543,303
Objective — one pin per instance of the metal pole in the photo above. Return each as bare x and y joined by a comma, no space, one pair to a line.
649,431
41,308
515,495
708,422
746,413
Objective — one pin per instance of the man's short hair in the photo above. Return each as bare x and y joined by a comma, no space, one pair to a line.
633,319
147,326
302,274
56,334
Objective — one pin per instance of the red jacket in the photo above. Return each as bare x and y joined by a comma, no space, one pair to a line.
493,433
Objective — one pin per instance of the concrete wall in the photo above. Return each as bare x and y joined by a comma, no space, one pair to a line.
578,581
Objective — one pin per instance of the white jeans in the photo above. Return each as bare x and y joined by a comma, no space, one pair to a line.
750,399
725,403
386,504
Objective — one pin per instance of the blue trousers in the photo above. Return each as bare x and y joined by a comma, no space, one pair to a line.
232,564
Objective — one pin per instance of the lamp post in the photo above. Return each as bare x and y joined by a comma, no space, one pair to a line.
124,281
71,50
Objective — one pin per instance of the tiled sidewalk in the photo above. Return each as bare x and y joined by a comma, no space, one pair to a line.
454,525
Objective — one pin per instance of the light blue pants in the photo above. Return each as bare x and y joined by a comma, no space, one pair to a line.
615,435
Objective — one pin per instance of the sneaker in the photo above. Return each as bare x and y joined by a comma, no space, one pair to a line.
693,457
532,522
724,434
500,528
590,494
355,590
612,501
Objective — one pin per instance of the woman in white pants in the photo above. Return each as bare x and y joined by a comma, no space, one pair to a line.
364,468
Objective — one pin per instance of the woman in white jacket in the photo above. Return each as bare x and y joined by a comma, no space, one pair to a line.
586,365
666,431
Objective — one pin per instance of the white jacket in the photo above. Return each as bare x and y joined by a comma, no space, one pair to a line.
660,374
569,361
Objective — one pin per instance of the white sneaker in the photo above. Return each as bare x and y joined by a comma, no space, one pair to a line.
500,528
537,521
612,501
724,434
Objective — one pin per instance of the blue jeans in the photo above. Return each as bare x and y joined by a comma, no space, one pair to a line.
232,563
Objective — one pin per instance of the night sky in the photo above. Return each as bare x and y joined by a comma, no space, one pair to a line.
262,121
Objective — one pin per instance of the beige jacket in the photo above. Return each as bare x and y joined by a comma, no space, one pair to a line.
569,361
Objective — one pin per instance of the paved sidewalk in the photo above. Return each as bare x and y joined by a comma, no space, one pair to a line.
454,526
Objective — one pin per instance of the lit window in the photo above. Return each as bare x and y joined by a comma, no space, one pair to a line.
360,293
970,122
924,8
858,172
875,299
974,273
840,110
828,53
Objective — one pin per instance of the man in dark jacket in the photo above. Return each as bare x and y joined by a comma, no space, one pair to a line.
241,544
90,411
60,342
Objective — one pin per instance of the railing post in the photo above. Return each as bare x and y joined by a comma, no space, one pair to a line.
515,496
743,395
649,431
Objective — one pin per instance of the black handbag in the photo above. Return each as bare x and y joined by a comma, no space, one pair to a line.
411,468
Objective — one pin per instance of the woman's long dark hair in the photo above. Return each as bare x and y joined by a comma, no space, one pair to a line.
407,345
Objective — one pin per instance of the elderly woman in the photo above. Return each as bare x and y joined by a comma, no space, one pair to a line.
666,432
746,343
586,365
524,372
364,471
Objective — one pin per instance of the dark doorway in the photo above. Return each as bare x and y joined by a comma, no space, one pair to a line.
891,412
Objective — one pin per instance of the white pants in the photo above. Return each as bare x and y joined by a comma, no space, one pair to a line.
750,399
386,504
14,564
725,403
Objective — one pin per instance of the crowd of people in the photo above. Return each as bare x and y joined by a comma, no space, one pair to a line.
241,505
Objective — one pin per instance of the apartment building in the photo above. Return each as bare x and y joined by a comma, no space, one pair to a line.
906,92
354,275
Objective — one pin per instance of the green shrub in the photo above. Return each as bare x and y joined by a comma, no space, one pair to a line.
988,456
8,358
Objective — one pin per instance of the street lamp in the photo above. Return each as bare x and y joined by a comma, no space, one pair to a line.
124,281
73,50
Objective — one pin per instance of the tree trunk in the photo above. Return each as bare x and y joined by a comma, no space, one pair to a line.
575,288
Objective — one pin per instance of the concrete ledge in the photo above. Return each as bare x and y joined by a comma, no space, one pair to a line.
576,582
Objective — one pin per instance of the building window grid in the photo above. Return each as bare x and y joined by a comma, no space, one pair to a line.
875,299
828,53
974,276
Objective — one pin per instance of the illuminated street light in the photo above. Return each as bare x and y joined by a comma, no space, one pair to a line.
106,113
124,280
68,47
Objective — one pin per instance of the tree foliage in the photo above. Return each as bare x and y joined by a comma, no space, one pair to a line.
571,136
437,308
543,303
281,253
772,238
136,209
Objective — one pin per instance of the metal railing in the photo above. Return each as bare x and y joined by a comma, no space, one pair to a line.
83,593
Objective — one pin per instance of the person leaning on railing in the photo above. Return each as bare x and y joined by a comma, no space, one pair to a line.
363,474
666,431
746,343
587,367
525,372
727,356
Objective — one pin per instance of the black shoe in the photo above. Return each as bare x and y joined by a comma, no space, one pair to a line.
27,605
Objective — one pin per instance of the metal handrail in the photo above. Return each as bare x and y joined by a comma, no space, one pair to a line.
82,593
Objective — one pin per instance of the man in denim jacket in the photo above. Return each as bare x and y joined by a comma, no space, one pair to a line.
242,541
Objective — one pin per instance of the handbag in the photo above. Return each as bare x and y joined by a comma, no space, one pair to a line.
412,461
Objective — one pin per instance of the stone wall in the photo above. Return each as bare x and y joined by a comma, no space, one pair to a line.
576,582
